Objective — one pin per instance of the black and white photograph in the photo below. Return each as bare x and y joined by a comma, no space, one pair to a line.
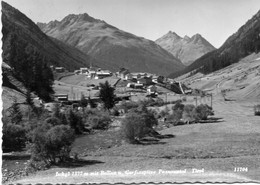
130,91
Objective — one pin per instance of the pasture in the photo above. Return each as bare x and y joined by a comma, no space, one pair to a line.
218,148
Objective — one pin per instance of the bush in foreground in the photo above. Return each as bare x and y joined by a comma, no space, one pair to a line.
164,113
177,111
134,127
52,144
75,121
126,106
203,111
137,124
97,119
189,113
14,136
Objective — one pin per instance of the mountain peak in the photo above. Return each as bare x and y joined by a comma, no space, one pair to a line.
196,36
84,17
173,34
186,49
187,38
28,33
111,46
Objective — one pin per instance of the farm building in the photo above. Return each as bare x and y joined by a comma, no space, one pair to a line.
102,74
61,97
152,89
60,69
84,70
139,75
135,85
123,73
77,72
161,79
145,81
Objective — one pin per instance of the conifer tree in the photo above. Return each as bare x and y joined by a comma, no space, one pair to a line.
16,115
107,95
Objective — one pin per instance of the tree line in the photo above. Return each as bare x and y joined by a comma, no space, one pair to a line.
30,67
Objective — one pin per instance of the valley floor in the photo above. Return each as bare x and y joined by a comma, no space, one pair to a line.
218,148
227,150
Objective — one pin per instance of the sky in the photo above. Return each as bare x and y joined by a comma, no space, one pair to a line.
215,20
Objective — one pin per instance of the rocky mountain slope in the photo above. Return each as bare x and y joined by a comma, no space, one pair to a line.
113,47
17,26
239,45
186,49
239,81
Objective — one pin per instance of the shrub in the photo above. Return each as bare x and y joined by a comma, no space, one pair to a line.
52,143
203,111
175,117
56,110
177,111
178,106
151,102
83,101
14,136
148,115
138,123
189,113
134,127
53,121
98,119
115,112
15,113
75,121
184,99
165,112
128,105
92,103
59,141
257,110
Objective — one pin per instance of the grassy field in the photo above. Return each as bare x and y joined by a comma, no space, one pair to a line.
75,85
218,148
82,80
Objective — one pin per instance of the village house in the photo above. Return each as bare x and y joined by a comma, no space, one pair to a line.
77,72
145,81
61,97
129,76
60,69
123,74
84,70
151,89
102,74
92,72
161,79
135,85
155,79
139,75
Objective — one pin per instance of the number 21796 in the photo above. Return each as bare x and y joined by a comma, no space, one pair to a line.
240,169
